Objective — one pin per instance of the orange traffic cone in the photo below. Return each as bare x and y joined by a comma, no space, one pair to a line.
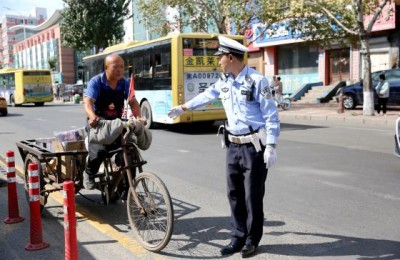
13,210
36,240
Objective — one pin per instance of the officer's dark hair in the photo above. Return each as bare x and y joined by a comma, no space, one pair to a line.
382,76
238,56
278,78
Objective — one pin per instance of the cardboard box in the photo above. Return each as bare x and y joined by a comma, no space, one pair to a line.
66,160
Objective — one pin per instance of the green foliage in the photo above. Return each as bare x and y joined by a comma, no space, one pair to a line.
199,15
220,16
152,15
93,23
52,62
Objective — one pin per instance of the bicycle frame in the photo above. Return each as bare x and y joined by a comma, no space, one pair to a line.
127,167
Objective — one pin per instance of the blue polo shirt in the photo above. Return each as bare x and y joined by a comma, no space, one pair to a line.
93,86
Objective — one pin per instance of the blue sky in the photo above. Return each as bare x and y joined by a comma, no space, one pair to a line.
24,7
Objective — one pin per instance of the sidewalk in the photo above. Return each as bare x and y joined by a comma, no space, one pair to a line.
329,112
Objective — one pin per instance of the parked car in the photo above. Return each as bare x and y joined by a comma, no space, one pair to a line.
353,94
3,106
72,89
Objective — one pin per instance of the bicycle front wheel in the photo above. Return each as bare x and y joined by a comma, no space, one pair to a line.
286,104
152,224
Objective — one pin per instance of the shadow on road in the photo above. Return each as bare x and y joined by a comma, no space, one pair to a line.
341,246
209,128
203,237
293,127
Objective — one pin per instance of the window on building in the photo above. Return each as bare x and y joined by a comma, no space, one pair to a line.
297,59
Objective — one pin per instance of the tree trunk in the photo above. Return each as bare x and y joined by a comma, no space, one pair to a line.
368,93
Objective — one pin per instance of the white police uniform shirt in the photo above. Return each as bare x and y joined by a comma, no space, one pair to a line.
242,113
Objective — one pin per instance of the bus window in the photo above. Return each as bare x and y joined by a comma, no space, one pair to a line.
3,83
138,64
147,64
162,57
201,47
8,81
128,60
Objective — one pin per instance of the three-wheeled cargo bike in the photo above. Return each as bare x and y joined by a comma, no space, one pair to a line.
149,204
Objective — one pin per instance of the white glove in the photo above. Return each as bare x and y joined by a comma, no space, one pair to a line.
270,156
175,112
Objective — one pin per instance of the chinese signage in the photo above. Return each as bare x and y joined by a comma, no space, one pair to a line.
194,61
198,82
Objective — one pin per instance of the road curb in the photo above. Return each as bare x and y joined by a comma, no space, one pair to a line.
388,122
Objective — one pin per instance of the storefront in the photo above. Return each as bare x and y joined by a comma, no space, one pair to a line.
292,59
298,62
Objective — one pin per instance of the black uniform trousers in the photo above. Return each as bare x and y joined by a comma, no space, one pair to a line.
246,175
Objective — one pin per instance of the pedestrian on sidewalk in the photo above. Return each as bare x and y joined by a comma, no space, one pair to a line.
58,91
278,88
382,90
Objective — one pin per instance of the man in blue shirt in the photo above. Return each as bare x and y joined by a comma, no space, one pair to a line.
252,133
104,99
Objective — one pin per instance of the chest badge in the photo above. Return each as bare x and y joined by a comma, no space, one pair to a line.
266,92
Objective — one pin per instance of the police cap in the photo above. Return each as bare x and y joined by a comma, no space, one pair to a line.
229,46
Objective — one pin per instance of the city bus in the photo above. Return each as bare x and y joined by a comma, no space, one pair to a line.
167,72
21,86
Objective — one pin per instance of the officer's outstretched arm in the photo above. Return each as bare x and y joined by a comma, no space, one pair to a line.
176,111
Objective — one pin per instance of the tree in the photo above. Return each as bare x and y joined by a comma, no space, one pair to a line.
341,21
321,21
93,23
233,16
52,62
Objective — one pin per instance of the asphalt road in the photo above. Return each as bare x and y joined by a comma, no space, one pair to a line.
333,195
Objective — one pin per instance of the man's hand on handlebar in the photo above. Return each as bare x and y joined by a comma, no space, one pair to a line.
93,122
129,124
135,124
142,119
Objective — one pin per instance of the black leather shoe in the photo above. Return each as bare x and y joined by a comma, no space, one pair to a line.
247,251
230,249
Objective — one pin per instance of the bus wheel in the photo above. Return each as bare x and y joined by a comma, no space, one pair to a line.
146,112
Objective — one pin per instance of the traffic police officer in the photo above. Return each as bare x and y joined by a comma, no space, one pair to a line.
251,133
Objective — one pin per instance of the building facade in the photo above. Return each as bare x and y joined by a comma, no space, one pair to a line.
10,37
298,62
41,45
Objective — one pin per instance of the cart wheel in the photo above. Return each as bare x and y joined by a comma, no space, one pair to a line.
77,171
43,194
108,195
105,195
